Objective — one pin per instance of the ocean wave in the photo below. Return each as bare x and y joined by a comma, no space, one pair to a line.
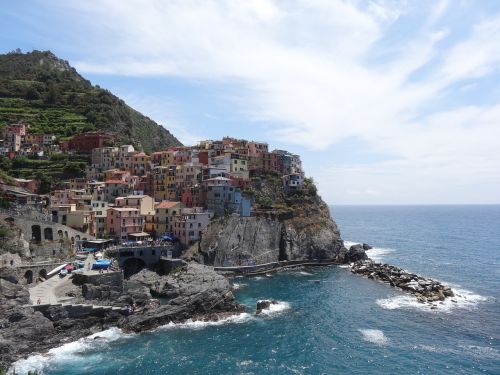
376,253
200,324
374,336
69,351
276,308
463,299
237,286
304,273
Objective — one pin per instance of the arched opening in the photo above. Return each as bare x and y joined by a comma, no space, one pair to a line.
66,233
28,276
72,240
42,274
48,234
132,266
36,233
60,234
77,237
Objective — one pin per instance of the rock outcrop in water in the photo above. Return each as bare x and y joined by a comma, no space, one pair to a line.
195,291
425,290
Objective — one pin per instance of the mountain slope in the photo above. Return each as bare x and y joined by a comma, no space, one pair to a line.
50,95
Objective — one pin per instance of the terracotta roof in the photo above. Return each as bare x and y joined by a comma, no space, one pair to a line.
166,204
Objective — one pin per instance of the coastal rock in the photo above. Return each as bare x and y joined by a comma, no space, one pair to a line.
304,231
367,247
11,292
264,305
192,292
425,290
356,253
9,274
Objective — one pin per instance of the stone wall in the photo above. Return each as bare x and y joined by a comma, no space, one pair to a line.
113,279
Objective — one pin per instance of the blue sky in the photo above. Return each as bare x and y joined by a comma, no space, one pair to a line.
387,102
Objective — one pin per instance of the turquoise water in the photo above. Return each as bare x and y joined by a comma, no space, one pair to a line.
330,321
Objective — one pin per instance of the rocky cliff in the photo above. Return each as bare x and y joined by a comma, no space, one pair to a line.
191,292
303,229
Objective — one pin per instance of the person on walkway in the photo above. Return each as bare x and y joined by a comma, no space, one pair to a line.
39,301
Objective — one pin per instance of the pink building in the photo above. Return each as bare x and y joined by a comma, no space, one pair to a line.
123,221
189,225
19,129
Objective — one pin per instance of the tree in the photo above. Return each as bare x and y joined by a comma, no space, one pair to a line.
33,94
52,95
45,183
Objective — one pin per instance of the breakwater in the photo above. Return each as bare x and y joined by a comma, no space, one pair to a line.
424,289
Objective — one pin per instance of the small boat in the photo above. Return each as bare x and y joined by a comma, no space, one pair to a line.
269,276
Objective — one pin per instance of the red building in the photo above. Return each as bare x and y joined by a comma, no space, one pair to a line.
85,142
203,157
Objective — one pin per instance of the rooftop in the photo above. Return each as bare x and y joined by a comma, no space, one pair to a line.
166,204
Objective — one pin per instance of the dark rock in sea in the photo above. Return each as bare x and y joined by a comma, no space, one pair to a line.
425,290
356,253
367,247
264,305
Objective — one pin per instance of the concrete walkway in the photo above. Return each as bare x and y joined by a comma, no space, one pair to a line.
45,291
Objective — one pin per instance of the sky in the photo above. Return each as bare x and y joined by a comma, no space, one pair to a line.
386,101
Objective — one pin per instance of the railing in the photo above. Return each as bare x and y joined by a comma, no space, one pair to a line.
265,267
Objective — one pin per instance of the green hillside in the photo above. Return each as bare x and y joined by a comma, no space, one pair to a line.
50,95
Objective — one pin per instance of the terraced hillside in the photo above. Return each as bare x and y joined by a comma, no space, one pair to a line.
50,95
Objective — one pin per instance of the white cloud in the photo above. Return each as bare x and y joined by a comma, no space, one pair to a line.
324,71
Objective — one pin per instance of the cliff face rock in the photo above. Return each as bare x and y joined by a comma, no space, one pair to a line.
304,231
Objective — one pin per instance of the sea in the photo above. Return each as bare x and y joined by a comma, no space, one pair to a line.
330,321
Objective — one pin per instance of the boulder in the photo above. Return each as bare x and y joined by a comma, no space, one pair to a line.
367,247
356,253
9,274
262,305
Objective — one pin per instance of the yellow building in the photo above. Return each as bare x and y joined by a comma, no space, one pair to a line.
164,183
164,214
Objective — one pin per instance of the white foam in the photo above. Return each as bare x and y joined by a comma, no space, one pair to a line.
464,299
348,244
200,324
344,266
305,273
374,336
237,286
276,308
67,352
378,253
